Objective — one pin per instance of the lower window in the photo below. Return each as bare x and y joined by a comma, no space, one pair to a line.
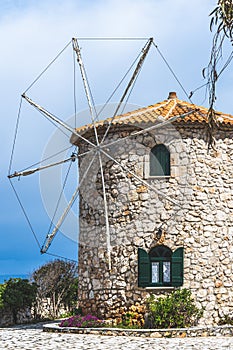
160,267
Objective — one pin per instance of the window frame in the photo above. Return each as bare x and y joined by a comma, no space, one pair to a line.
160,259
145,268
161,281
163,167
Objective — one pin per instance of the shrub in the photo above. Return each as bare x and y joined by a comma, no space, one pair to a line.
226,320
176,310
2,288
18,294
88,321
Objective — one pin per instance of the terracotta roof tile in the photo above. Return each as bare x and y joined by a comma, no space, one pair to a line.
168,109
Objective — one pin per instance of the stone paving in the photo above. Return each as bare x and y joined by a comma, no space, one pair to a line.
33,338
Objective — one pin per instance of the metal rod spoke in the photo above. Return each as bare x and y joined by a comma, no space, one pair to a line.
124,167
32,171
57,120
145,51
85,84
50,236
106,213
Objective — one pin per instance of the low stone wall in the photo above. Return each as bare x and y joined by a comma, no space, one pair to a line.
218,331
42,310
23,316
6,317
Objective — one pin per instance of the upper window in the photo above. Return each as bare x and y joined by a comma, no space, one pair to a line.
159,161
161,267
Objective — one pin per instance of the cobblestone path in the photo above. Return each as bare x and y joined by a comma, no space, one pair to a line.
33,338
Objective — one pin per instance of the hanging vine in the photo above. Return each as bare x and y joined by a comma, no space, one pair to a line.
222,20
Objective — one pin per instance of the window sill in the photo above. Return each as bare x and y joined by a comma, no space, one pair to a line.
157,288
159,177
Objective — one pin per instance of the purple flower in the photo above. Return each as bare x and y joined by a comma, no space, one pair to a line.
87,321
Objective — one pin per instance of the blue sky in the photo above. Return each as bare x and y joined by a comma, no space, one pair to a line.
31,35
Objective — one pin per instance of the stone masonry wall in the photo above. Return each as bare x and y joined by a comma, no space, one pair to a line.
194,206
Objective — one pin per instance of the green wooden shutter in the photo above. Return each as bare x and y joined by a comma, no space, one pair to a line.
165,161
178,267
159,161
143,268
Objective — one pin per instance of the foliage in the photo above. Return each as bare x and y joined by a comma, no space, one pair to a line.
18,294
176,310
58,281
71,296
88,321
222,21
222,16
226,320
2,288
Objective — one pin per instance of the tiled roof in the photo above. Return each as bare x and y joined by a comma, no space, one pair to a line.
171,109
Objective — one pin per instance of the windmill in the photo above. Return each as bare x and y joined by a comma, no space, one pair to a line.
98,147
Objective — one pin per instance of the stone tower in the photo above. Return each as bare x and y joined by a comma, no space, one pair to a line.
163,218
